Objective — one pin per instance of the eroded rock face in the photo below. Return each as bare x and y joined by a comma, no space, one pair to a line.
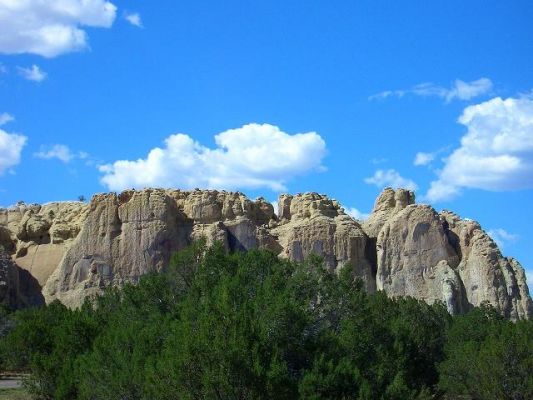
389,203
416,259
444,258
313,224
18,288
128,235
38,236
485,273
76,250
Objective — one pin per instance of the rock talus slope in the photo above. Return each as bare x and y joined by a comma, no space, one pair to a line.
75,250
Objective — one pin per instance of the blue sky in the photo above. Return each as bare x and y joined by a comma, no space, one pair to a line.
266,97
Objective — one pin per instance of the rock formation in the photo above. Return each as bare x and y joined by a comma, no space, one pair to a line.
75,250
39,235
18,288
313,224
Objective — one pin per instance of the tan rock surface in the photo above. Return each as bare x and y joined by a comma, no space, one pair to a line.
443,258
128,235
485,273
77,249
38,236
17,287
313,224
388,204
415,258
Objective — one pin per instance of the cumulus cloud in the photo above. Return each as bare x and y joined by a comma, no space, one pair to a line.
422,158
390,177
356,214
134,19
5,118
459,90
495,154
34,73
50,28
501,236
60,152
252,156
11,146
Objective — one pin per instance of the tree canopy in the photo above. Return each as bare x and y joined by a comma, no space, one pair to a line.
253,326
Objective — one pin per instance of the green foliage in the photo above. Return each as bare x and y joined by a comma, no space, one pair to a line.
253,326
488,357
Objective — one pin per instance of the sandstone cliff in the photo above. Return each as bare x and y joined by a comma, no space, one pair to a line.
75,250
18,288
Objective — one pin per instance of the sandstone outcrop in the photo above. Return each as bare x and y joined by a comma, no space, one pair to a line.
440,257
485,273
416,259
313,224
128,235
18,288
75,250
39,235
388,204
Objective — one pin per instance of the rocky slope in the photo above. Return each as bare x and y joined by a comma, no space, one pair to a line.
74,250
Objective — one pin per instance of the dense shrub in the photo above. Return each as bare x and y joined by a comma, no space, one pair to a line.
253,326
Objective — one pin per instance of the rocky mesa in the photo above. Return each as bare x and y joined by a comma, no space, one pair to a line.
72,250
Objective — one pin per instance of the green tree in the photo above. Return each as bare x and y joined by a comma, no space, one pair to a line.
488,357
251,325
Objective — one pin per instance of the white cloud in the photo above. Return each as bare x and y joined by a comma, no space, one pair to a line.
59,151
356,214
252,156
50,28
3,69
10,149
501,236
495,154
5,118
34,73
422,158
468,90
460,90
134,19
390,177
388,93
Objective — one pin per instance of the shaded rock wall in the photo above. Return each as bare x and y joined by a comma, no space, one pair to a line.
18,288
